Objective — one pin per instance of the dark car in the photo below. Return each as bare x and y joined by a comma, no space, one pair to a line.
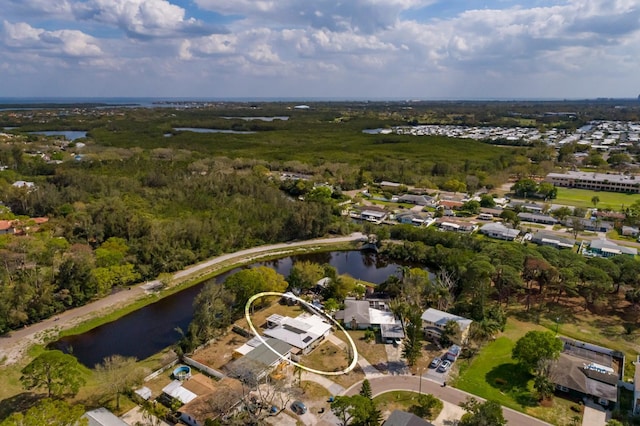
298,407
436,362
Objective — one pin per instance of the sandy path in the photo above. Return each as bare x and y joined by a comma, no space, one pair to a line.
14,344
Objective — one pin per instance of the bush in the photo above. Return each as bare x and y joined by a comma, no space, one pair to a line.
576,408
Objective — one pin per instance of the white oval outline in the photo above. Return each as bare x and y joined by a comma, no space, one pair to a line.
247,316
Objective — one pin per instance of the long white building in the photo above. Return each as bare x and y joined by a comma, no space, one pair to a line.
596,181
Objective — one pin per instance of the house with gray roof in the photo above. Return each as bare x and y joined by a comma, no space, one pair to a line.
605,248
537,218
588,371
418,200
434,321
404,418
360,315
103,417
262,359
548,239
500,231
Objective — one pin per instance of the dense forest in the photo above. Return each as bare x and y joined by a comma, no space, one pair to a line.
137,197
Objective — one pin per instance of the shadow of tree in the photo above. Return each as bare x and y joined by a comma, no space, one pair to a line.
512,379
20,402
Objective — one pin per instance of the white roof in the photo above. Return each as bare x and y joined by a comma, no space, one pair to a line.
144,393
441,318
373,213
176,391
376,316
245,349
103,417
301,331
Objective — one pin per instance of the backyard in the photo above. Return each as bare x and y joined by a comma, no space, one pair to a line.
493,374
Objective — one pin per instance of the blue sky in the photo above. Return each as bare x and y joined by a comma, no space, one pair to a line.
402,49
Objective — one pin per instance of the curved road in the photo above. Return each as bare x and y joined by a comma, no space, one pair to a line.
13,345
455,396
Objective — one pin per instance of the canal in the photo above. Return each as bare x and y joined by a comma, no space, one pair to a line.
154,327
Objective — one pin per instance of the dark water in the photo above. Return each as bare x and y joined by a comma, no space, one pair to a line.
152,328
68,134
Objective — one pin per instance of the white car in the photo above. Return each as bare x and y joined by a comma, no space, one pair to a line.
442,368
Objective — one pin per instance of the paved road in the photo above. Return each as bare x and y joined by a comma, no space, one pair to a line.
455,396
12,346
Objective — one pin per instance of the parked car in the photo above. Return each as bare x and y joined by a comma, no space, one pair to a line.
444,366
435,362
298,407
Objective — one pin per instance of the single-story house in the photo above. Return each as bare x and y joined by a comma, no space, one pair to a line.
434,321
419,200
529,207
549,239
630,231
412,218
24,184
610,216
606,248
537,218
450,204
304,332
360,315
373,215
6,227
404,418
499,231
103,417
587,370
589,224
455,225
227,395
261,360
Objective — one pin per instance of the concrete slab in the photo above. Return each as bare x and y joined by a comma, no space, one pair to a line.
136,416
594,415
449,416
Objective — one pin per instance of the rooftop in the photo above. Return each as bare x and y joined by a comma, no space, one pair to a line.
441,318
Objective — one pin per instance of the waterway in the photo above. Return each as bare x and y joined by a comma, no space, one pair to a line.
70,135
154,327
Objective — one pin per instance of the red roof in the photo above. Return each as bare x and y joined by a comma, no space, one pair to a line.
5,225
40,220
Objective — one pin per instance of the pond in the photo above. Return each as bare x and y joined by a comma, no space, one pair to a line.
154,327
69,135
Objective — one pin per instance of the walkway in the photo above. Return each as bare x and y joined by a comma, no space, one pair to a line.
325,382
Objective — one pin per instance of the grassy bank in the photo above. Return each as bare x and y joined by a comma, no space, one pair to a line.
582,198
111,314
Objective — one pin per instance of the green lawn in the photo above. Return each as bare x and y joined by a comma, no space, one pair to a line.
582,198
402,400
494,375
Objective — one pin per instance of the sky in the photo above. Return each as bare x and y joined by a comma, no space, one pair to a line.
337,49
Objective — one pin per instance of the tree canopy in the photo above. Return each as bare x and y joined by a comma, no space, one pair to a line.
59,373
536,346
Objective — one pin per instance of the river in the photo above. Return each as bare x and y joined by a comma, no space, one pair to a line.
154,327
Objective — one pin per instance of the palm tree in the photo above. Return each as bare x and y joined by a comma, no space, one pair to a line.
595,200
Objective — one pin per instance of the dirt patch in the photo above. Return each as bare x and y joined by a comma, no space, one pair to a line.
219,353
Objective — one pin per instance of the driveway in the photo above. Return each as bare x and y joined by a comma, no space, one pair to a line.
594,415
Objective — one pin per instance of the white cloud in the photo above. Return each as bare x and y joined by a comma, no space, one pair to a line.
140,18
64,43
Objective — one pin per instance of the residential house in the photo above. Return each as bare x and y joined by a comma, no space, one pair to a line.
450,204
6,227
226,394
610,216
606,248
24,184
548,239
418,200
304,332
499,231
630,231
403,418
526,207
588,371
413,218
373,214
537,218
103,417
373,313
434,321
261,358
588,224
446,224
